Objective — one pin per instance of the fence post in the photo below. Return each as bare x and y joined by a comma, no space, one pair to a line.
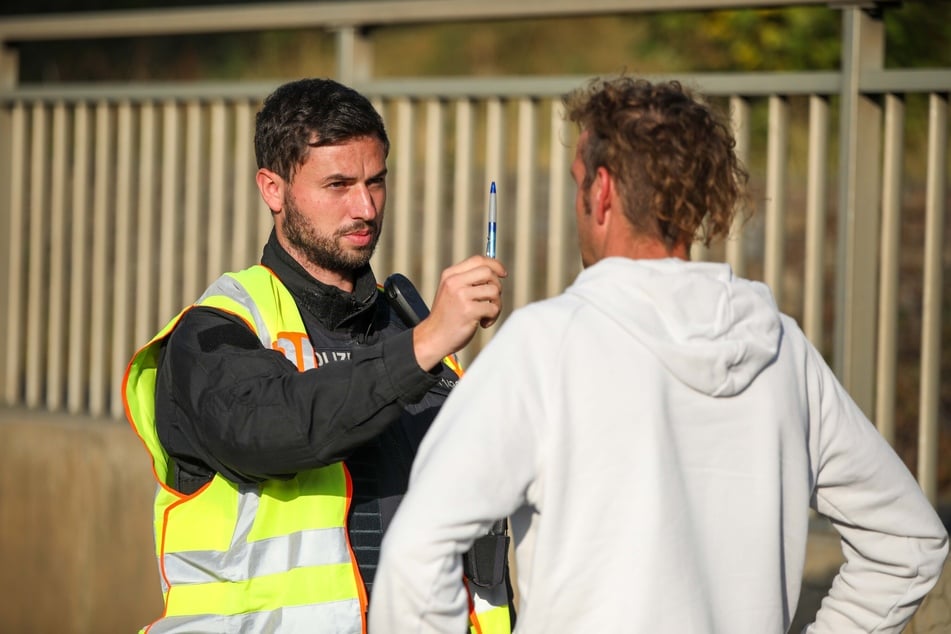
354,55
860,124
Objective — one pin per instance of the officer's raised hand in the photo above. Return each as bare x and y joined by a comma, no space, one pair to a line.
469,296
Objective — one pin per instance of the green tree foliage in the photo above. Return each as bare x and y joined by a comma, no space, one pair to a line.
797,38
919,35
773,39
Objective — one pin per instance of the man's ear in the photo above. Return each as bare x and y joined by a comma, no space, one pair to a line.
271,187
602,194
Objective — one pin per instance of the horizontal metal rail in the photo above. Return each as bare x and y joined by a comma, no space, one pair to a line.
749,84
331,15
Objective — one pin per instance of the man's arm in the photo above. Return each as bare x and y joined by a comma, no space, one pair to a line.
476,464
893,541
226,402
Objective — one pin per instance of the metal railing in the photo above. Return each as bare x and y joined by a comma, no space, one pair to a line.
120,202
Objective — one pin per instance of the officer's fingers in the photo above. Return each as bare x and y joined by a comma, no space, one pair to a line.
483,279
473,264
491,309
487,291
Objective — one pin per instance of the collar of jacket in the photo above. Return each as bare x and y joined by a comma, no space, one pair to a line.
333,308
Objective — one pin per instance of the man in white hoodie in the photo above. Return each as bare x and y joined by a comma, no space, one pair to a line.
658,432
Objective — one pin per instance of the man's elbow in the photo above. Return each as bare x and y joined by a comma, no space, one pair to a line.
932,555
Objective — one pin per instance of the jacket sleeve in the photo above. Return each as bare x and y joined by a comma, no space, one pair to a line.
225,402
486,433
893,541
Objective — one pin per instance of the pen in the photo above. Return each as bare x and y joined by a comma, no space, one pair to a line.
493,216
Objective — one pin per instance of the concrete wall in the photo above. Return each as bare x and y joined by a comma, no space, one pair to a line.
76,537
75,527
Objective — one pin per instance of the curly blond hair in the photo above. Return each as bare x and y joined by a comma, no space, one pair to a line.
671,155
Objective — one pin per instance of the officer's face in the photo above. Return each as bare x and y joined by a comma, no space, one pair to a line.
332,211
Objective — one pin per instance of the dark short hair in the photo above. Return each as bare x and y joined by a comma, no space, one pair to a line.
671,155
310,113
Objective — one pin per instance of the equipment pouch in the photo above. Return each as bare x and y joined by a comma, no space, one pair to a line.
484,563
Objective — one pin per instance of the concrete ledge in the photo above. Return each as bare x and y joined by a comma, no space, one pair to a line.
76,523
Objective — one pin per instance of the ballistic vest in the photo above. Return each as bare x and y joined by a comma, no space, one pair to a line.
273,556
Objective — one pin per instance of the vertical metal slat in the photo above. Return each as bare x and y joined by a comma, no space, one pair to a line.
776,160
558,214
123,300
216,234
194,224
404,223
432,240
888,281
462,213
16,240
102,239
15,251
740,120
241,220
146,282
936,189
55,368
525,237
36,306
78,349
815,218
169,218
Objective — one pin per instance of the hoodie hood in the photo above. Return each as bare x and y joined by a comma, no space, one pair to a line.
713,331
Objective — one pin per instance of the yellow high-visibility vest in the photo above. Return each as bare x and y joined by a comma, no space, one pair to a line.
273,556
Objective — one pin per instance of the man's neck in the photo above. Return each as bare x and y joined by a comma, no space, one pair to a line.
644,248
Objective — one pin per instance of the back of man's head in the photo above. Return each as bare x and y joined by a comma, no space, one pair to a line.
671,155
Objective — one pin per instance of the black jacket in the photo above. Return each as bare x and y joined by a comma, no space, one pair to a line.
226,404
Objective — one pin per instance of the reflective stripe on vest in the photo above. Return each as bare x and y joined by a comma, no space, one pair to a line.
289,619
250,558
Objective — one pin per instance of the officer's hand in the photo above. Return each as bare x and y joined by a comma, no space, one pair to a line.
469,296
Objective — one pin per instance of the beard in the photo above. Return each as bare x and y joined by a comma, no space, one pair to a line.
322,250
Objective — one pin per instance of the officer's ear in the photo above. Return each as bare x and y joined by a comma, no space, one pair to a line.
272,188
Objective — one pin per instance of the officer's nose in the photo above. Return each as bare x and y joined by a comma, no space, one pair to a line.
365,207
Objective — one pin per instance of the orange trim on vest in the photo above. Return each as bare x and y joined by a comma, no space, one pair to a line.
361,587
473,617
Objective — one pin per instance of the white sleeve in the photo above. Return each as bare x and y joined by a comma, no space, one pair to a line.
475,466
893,541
